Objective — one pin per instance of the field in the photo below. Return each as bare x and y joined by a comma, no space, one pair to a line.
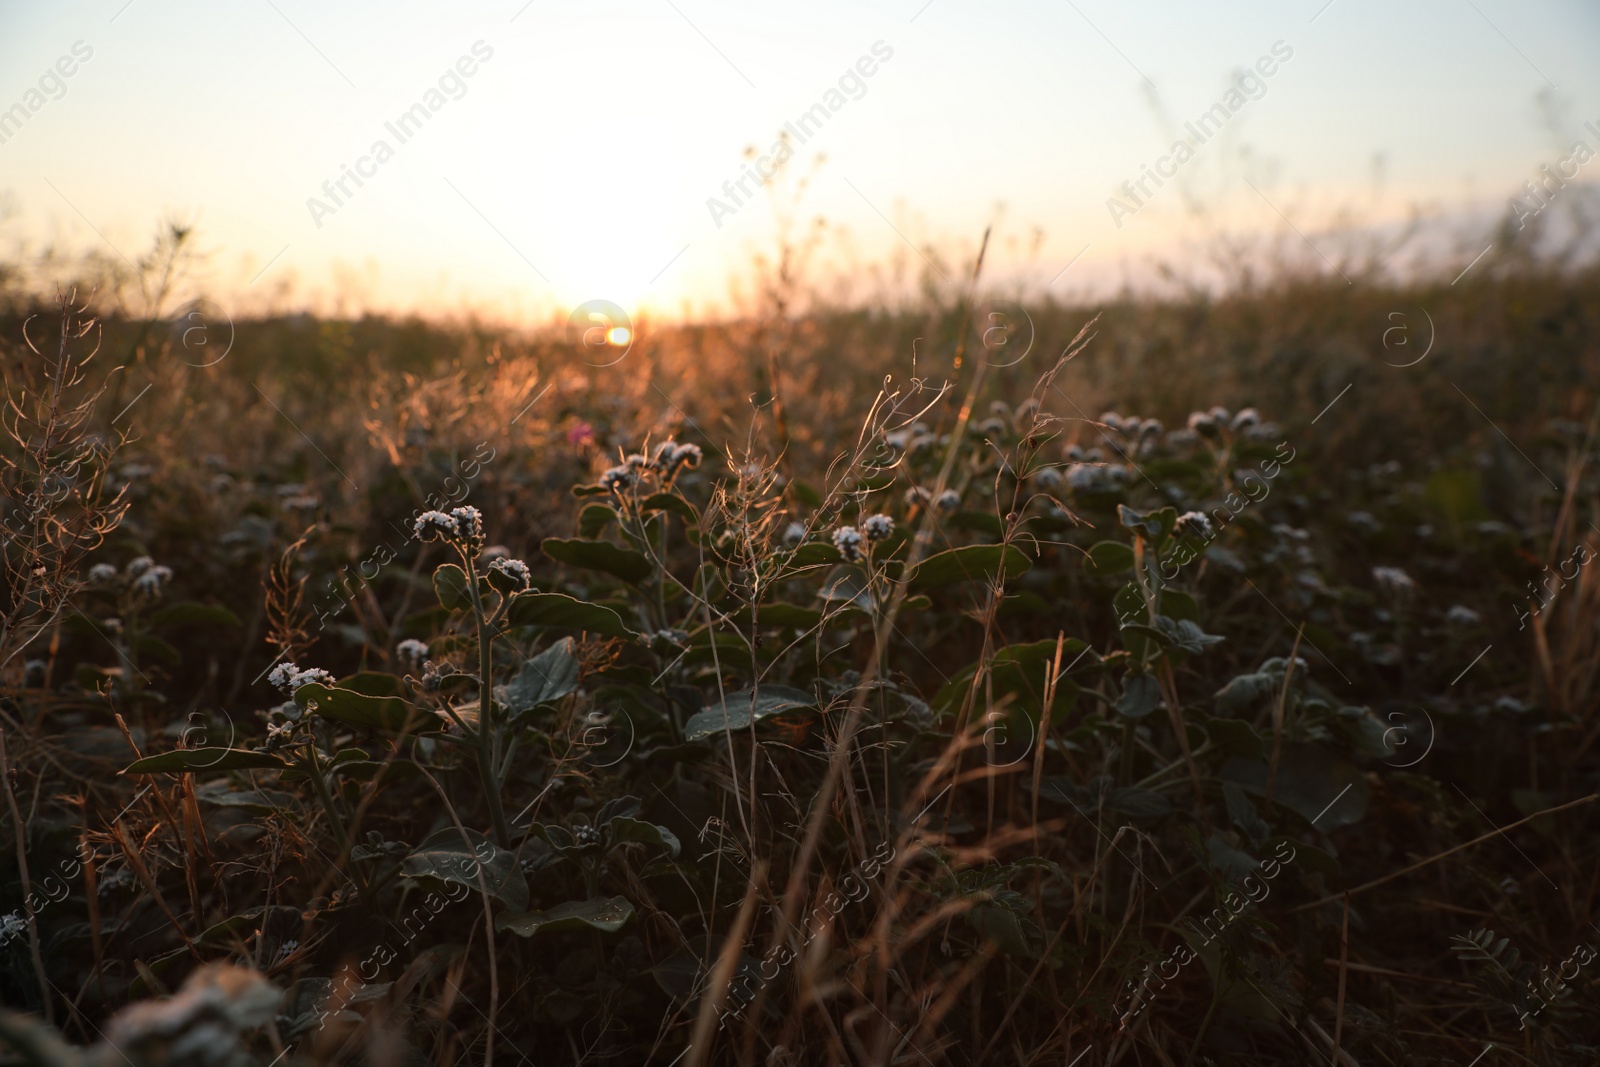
1210,679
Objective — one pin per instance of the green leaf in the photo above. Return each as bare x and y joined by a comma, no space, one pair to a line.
745,707
627,828
451,585
1019,672
1107,558
975,521
671,502
190,613
814,554
1243,691
152,647
560,611
1153,526
594,518
632,567
444,856
259,801
550,675
357,709
967,563
1139,803
1140,696
847,585
1236,737
606,914
789,616
1312,782
805,494
374,684
205,759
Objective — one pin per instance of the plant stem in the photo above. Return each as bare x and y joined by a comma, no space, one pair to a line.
486,731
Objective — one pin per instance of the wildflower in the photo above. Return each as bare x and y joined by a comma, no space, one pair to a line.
287,677
847,539
138,566
1219,415
102,574
921,442
992,427
304,502
1182,440
793,534
673,636
897,440
1000,409
1083,476
1113,420
617,479
1047,478
469,524
917,496
580,434
1150,428
287,949
435,526
1094,455
282,674
948,501
688,455
878,527
11,925
1193,524
636,462
1362,519
510,575
278,733
1393,581
1246,419
1460,615
412,653
1072,452
585,836
151,582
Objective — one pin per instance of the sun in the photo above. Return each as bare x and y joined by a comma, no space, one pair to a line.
619,336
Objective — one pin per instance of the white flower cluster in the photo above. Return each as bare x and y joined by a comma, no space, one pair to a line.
514,570
669,458
847,539
1096,477
287,677
878,527
459,524
916,439
143,575
1218,420
412,653
1193,524
1393,581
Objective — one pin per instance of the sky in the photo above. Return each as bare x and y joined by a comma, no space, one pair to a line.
562,152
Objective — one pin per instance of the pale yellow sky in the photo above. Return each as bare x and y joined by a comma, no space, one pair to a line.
570,151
